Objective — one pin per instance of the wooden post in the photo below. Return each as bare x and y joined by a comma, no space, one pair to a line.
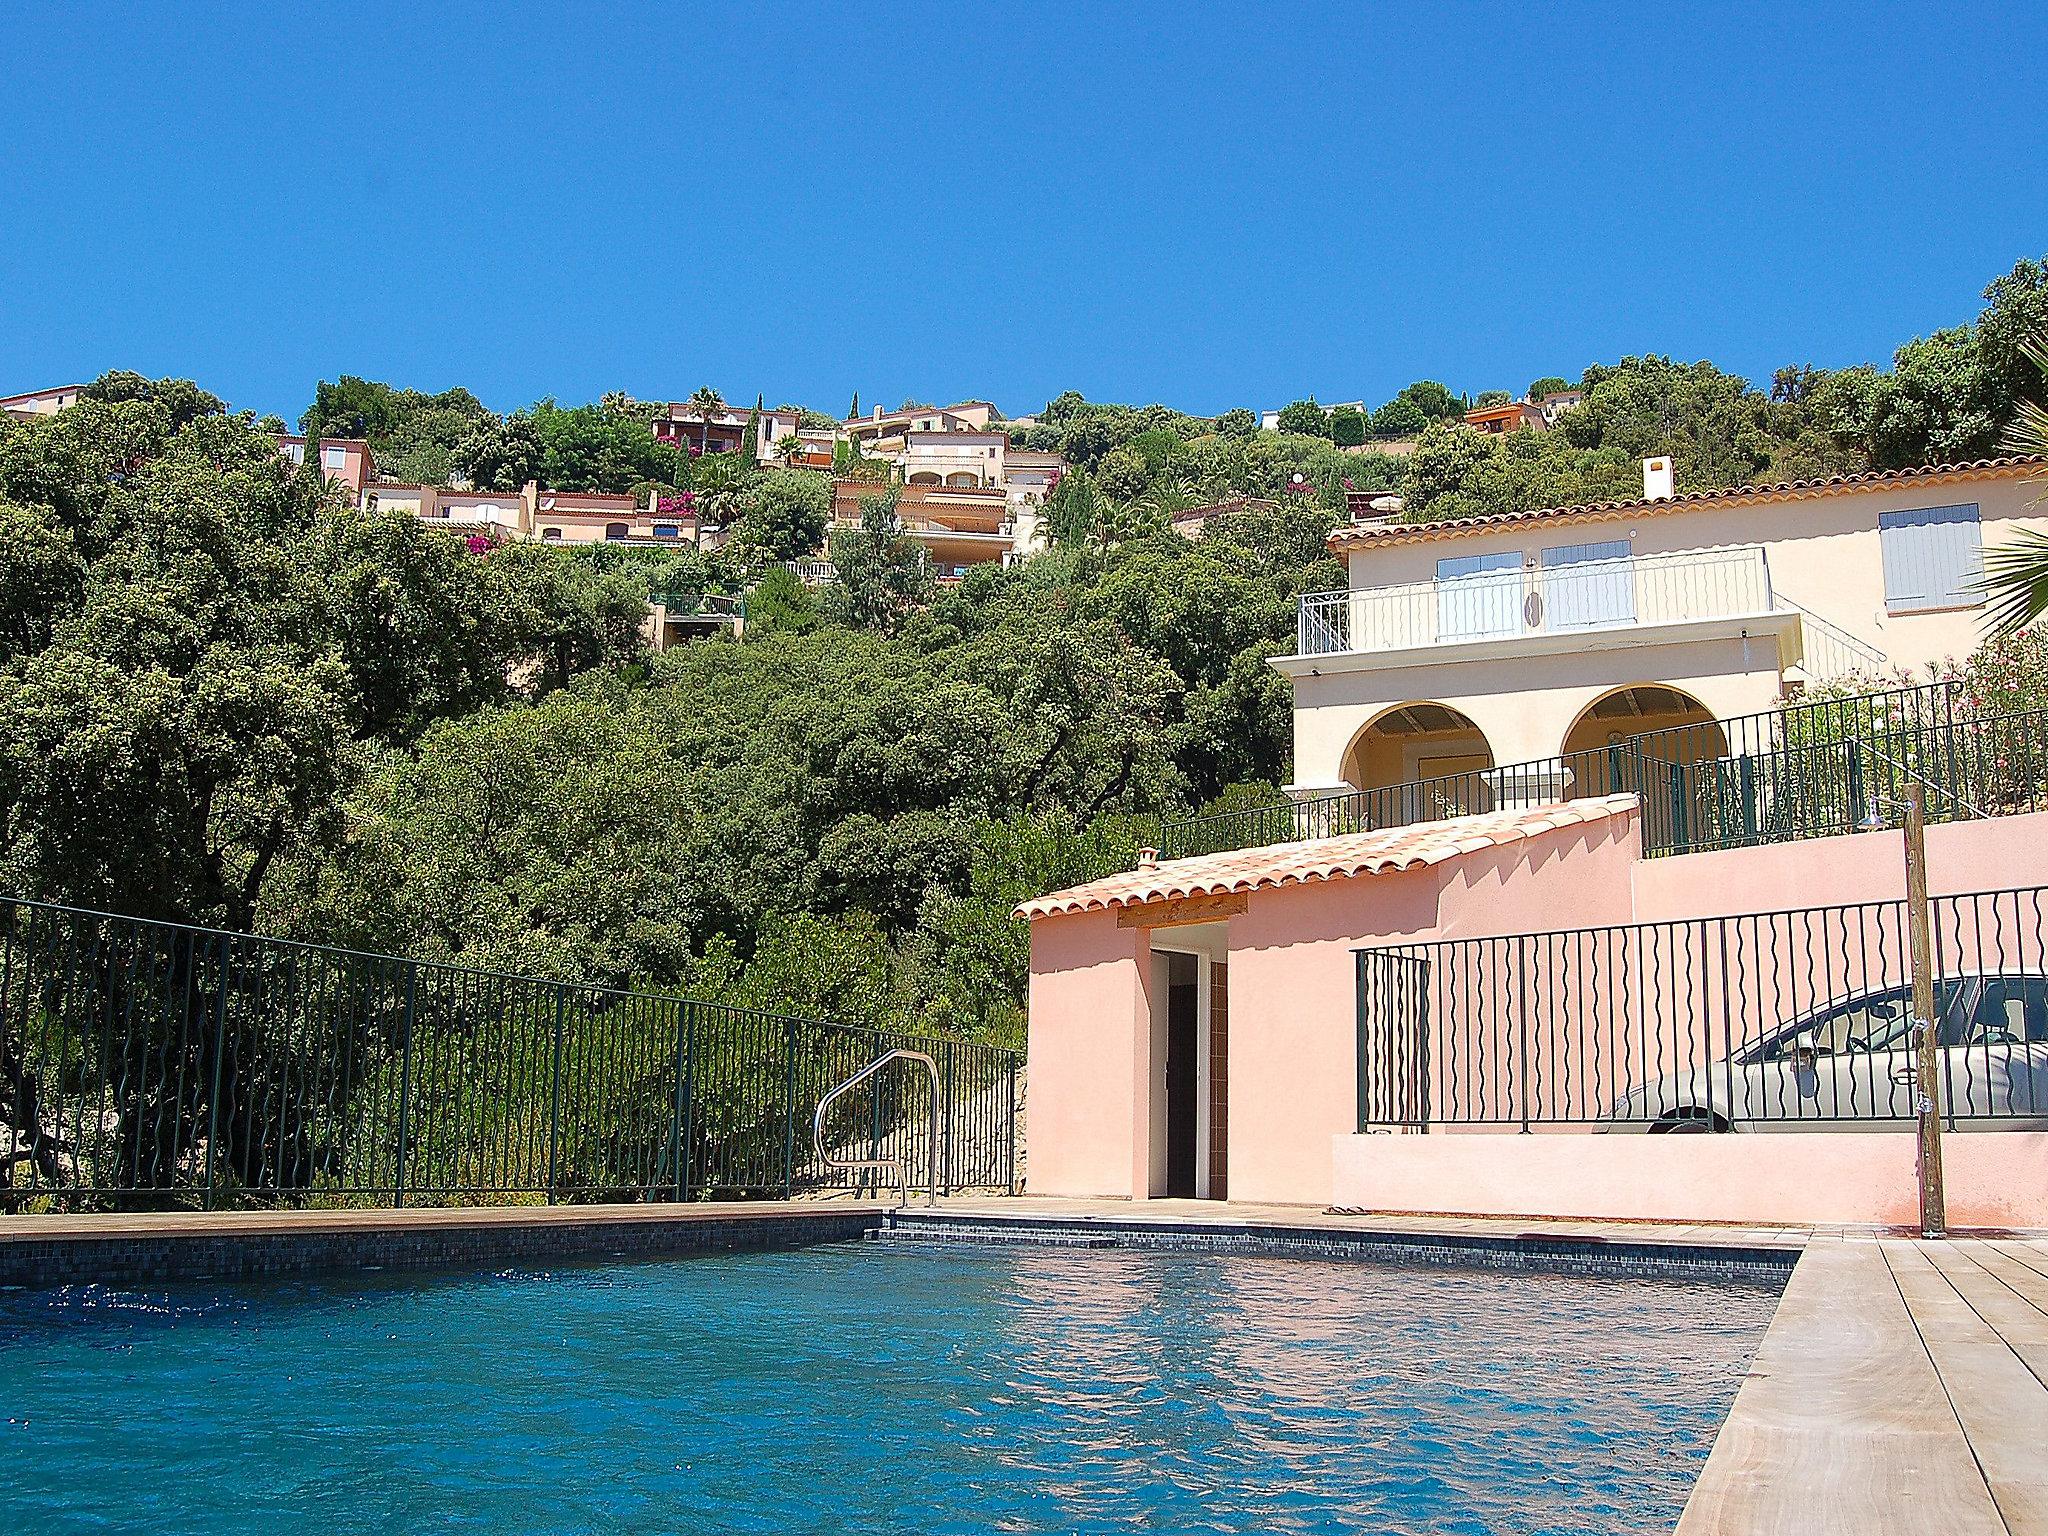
1926,1075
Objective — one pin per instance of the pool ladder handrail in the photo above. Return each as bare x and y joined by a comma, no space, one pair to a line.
900,1165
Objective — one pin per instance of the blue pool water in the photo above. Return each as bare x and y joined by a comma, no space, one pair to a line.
874,1389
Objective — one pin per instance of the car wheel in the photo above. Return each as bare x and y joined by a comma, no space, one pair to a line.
1685,1125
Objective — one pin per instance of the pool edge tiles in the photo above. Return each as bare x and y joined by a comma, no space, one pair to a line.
1529,1250
43,1252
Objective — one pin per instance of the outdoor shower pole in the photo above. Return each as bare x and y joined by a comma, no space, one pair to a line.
1926,1078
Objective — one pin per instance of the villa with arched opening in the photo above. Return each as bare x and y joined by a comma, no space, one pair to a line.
1542,761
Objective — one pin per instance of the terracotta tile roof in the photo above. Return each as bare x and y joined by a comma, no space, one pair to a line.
1386,851
1343,539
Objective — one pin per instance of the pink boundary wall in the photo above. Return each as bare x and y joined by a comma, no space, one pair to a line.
1992,1178
1293,1056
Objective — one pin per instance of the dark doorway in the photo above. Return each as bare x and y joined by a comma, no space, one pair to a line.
1183,1040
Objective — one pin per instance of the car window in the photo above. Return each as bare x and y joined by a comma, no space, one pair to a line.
1877,1021
2010,1010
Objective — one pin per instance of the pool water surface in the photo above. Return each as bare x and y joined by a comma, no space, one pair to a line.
875,1388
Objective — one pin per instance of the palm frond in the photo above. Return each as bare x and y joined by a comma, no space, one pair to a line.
2016,582
2016,574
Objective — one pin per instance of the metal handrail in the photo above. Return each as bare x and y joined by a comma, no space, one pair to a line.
873,1164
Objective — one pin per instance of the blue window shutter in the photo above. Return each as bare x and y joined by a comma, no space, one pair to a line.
1933,558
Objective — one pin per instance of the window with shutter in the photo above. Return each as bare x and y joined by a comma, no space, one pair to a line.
1933,559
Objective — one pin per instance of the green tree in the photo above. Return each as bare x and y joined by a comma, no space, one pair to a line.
1237,423
1549,384
1305,418
1347,427
780,603
782,515
882,575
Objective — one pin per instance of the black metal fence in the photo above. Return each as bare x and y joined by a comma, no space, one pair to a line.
1807,770
1758,1022
146,1063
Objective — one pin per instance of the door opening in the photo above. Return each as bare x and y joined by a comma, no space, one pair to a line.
1183,1042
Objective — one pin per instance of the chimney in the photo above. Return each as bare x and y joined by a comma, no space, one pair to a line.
1148,858
1657,479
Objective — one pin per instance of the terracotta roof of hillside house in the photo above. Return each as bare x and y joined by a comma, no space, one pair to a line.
1386,851
1342,539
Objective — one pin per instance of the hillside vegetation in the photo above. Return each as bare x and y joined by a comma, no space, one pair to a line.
226,697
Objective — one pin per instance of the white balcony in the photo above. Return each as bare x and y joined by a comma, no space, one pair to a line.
1586,604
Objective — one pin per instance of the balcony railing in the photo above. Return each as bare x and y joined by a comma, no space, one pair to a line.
1807,770
1519,601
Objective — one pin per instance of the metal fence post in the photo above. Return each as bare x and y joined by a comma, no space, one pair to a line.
945,1123
789,1108
1010,1130
412,977
555,1090
1522,1022
675,1141
220,1032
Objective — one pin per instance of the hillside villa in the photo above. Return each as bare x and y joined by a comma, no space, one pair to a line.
1574,737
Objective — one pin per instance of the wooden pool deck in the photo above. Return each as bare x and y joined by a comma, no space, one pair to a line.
1901,1387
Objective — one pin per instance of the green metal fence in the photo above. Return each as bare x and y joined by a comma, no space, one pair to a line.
155,1064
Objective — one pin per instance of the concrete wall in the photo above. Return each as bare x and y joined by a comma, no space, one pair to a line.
2003,853
1089,1057
1993,1178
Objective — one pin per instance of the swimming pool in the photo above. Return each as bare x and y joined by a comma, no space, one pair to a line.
875,1388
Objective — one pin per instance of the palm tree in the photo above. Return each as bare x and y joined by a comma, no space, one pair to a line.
2016,574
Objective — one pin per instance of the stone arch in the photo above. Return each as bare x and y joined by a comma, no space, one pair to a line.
1672,724
1420,761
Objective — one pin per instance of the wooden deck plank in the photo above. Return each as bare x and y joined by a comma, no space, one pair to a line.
2030,1256
1985,1281
2002,1404
1842,1424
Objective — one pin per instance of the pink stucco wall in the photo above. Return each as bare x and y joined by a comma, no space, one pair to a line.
2003,853
1089,1050
1095,1073
1992,1179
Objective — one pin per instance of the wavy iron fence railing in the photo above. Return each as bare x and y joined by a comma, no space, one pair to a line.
1806,770
1768,1021
155,1064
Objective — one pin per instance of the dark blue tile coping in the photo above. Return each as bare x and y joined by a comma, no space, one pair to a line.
132,1258
1533,1250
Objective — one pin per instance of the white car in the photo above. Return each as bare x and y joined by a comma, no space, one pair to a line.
1851,1065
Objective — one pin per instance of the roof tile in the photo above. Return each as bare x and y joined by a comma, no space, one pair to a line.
1342,539
1386,850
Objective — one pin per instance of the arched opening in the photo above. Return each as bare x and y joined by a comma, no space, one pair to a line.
924,477
616,530
1421,761
963,480
1653,720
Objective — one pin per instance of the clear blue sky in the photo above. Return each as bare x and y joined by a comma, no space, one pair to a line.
1207,205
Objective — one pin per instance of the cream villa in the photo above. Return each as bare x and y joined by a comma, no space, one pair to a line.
1463,646
1504,903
